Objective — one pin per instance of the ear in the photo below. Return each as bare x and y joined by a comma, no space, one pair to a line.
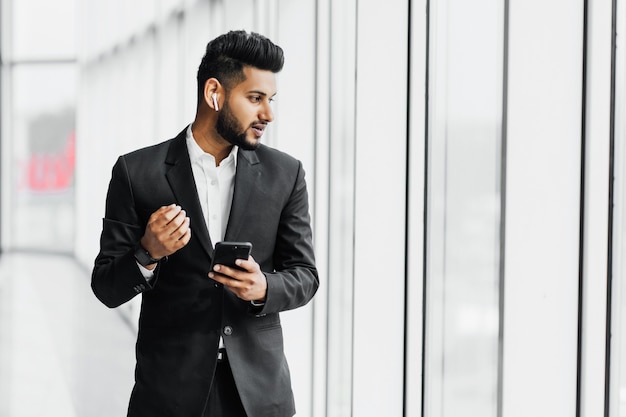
212,93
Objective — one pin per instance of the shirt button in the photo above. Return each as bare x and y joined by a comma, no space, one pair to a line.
213,182
228,330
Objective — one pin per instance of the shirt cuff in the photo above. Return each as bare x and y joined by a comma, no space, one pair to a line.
148,274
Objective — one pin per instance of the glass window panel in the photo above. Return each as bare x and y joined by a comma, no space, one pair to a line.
167,7
170,119
241,14
340,278
42,143
465,118
55,34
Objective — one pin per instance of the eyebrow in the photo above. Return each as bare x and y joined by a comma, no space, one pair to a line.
261,93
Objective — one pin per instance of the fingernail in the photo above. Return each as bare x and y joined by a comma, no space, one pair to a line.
216,268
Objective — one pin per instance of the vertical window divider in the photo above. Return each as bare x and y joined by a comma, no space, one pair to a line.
407,209
503,160
609,290
583,176
425,219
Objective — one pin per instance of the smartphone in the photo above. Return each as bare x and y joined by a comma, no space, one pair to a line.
227,252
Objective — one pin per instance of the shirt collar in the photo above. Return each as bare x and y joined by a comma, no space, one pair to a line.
196,153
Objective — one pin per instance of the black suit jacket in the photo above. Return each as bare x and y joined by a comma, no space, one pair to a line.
183,312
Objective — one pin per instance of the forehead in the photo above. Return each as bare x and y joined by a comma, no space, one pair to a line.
260,81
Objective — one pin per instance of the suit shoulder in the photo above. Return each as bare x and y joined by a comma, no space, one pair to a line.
151,152
159,152
147,161
272,155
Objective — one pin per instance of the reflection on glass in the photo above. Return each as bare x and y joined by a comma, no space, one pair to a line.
465,119
43,157
618,318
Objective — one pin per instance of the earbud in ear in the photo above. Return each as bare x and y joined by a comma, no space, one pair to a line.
214,96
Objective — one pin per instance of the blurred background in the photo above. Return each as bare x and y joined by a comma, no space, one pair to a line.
465,164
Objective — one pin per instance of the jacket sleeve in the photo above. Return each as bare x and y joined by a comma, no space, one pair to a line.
116,278
295,279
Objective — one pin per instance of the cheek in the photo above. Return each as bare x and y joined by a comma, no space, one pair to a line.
244,111
237,105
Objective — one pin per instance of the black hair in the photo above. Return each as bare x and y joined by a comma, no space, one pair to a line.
226,56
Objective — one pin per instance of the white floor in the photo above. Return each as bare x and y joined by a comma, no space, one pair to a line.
62,353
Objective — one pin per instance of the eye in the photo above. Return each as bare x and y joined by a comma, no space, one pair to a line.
255,99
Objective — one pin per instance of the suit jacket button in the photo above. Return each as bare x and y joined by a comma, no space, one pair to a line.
228,330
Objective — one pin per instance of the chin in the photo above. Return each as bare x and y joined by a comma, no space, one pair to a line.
249,145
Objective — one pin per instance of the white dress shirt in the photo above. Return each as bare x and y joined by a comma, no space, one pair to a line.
215,186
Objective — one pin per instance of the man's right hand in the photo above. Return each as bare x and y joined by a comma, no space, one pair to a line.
166,232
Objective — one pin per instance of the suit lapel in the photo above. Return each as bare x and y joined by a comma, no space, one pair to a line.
246,177
180,178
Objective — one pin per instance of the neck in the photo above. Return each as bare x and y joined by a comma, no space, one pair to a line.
209,140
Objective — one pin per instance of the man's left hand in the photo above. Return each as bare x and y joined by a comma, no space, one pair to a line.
249,285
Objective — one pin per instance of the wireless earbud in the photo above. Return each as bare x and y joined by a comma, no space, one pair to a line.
215,102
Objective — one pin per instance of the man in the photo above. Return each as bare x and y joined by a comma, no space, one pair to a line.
210,342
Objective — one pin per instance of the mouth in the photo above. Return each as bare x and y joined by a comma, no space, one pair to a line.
258,129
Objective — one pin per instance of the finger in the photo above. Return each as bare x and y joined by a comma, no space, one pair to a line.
249,264
171,213
184,230
179,237
227,271
225,280
186,238
174,226
170,231
161,211
163,216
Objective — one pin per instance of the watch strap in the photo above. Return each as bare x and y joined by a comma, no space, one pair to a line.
143,257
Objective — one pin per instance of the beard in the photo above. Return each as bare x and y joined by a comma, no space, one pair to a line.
229,128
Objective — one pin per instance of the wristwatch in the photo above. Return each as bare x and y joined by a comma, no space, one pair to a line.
143,257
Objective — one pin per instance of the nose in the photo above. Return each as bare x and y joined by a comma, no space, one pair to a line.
266,114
